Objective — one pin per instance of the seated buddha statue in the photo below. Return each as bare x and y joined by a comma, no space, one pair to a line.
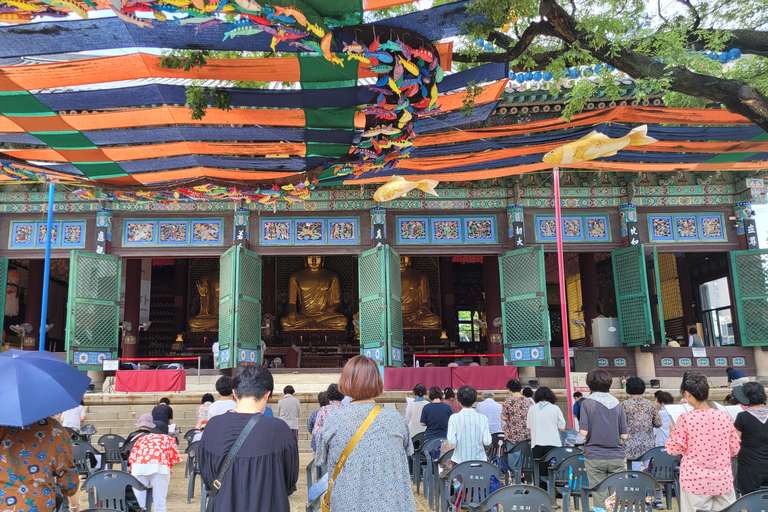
414,285
314,297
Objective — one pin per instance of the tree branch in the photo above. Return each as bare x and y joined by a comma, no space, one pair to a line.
754,42
660,14
694,11
535,29
738,97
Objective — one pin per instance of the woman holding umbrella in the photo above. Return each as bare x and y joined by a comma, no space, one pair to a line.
35,450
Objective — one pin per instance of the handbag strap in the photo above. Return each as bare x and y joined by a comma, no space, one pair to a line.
224,467
348,450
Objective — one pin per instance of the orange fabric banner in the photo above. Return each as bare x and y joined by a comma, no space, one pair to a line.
625,114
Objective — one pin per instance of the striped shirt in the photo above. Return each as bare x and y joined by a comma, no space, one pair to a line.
469,434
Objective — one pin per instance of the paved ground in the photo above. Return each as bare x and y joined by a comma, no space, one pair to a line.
177,493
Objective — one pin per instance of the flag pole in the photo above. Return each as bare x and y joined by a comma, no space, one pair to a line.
563,297
47,266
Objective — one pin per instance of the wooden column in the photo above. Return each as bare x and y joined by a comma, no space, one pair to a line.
686,293
33,302
131,310
589,292
448,307
180,291
492,285
268,273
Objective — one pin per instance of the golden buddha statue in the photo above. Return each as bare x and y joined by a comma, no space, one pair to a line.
208,318
313,299
414,290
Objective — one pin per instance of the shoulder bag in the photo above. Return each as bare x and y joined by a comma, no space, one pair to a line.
224,467
326,503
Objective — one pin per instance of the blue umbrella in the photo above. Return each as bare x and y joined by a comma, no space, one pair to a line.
35,385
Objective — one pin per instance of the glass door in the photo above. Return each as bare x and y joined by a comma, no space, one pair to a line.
716,311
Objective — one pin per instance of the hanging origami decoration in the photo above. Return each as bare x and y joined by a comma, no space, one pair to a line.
397,186
12,292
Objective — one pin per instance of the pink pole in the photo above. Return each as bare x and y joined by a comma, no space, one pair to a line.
563,297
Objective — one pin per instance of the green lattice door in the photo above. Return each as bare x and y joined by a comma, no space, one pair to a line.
658,312
381,318
93,309
750,279
632,298
524,308
239,308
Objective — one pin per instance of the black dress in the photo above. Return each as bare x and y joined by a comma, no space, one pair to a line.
753,454
266,468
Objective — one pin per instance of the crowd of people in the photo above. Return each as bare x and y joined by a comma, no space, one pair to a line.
249,459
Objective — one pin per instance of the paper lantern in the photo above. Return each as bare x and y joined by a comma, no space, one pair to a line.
547,76
537,76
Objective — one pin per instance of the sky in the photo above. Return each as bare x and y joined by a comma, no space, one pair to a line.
761,219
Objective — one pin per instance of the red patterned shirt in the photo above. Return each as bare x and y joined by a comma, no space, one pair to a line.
154,453
707,440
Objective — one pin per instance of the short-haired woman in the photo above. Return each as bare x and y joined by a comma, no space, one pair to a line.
265,470
203,411
335,398
375,475
514,413
545,421
468,431
289,410
435,415
449,399
413,409
642,418
707,440
752,427
603,424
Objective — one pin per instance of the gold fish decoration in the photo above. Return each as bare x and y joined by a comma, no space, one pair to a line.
597,145
397,186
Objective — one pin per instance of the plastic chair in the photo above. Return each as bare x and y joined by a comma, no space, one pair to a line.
753,502
495,438
632,488
314,473
417,441
569,478
109,488
520,459
87,431
84,456
315,506
112,443
194,469
665,469
519,497
553,456
475,479
425,467
438,485
420,461
188,436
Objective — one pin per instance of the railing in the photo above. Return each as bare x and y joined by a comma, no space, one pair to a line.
131,359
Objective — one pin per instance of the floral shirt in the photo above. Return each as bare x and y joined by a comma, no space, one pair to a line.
642,417
203,415
515,409
32,460
154,453
323,413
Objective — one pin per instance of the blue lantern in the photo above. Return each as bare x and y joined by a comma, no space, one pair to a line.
712,56
598,68
547,76
723,58
537,76
734,53
575,72
529,76
520,78
610,68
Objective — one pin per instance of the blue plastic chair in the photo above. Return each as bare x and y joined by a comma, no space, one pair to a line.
437,487
422,471
417,441
520,459
665,468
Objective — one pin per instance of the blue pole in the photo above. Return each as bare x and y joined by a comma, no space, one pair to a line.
47,269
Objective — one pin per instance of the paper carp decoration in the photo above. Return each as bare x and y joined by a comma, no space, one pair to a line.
397,186
596,145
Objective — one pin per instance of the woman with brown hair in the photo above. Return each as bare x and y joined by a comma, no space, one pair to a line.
374,475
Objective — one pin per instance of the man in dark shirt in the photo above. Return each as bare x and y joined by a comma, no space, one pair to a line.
162,415
736,377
